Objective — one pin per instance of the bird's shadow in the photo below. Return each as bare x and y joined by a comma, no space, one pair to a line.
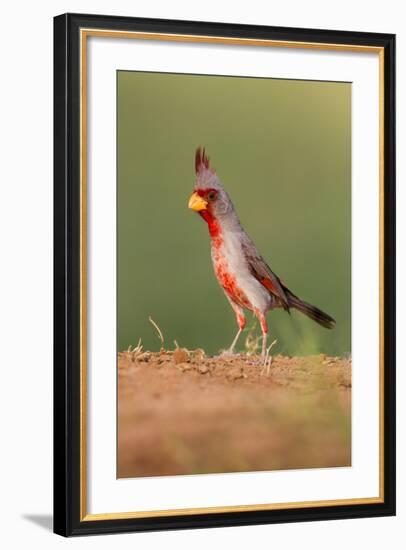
42,520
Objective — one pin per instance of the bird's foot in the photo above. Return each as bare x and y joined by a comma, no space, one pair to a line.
267,359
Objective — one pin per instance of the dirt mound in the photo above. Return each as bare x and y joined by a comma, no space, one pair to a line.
182,412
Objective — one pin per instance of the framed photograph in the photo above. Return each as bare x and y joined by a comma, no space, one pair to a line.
224,274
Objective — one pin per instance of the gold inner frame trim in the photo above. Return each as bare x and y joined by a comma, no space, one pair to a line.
173,37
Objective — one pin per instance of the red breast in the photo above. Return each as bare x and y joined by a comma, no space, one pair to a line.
228,281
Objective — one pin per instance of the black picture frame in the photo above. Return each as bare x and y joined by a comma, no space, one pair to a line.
67,381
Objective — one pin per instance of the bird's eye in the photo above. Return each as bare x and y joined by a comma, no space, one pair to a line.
212,195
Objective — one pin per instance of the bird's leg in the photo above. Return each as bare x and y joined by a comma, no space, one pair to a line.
241,321
264,328
263,351
231,348
268,360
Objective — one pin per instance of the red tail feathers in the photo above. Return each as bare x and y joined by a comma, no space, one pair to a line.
201,160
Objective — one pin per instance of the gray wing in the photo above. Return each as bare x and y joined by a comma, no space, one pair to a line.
264,274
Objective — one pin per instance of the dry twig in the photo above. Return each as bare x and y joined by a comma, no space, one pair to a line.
160,335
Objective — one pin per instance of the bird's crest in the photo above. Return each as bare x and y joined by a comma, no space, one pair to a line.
202,162
205,174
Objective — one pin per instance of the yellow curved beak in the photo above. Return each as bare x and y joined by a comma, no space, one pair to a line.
197,203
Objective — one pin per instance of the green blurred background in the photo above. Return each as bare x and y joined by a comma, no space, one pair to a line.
282,149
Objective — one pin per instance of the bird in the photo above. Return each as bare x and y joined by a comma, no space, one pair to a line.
247,280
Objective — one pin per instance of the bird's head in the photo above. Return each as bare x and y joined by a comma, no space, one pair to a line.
209,198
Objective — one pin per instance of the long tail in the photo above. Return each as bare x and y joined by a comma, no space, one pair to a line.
311,311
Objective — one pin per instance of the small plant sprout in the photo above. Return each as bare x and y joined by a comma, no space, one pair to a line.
135,349
138,348
160,335
251,341
132,352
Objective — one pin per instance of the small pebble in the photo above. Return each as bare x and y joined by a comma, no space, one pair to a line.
180,355
198,354
185,366
235,374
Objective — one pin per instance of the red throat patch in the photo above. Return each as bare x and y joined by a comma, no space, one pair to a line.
214,226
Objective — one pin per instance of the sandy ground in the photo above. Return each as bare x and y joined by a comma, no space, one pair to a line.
184,413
